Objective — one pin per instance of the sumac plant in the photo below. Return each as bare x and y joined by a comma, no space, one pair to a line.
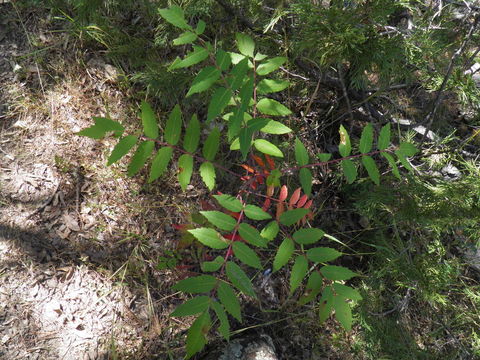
242,230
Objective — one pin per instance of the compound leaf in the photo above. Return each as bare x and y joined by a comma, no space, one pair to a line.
276,128
101,127
270,231
301,154
392,163
325,304
212,266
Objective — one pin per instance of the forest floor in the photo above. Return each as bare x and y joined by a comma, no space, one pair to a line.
86,253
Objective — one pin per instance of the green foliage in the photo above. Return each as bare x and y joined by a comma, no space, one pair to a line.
237,90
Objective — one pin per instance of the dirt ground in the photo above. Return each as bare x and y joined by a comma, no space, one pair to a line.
66,242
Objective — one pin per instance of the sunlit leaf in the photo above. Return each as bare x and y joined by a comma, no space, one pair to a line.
174,15
344,147
220,220
308,236
270,65
204,80
276,128
255,213
245,44
173,128
209,237
291,217
267,147
187,37
196,284
270,231
207,172
196,56
193,306
185,170
272,107
267,86
229,202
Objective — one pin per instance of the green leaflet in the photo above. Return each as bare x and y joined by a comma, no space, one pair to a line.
366,140
325,304
407,149
284,253
201,25
343,313
197,55
372,169
121,149
193,306
101,127
267,86
207,172
174,15
239,279
238,73
224,327
246,255
236,57
322,254
197,284
245,44
173,128
160,163
140,157
223,60
308,236
229,202
187,37
299,271
267,147
270,231
251,235
270,65
255,213
291,217
272,107
210,147
347,292
149,121
324,157
392,163
204,80
212,266
192,135
196,335
344,146
314,285
332,272
276,128
301,154
220,220
209,237
245,140
384,137
306,180
220,99
403,160
229,300
349,170
274,178
185,170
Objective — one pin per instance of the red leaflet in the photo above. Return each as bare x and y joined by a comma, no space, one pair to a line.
258,160
206,205
260,179
266,204
270,162
232,237
295,197
308,205
283,193
180,227
248,168
302,201
280,210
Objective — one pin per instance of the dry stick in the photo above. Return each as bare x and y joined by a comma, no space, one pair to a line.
431,116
